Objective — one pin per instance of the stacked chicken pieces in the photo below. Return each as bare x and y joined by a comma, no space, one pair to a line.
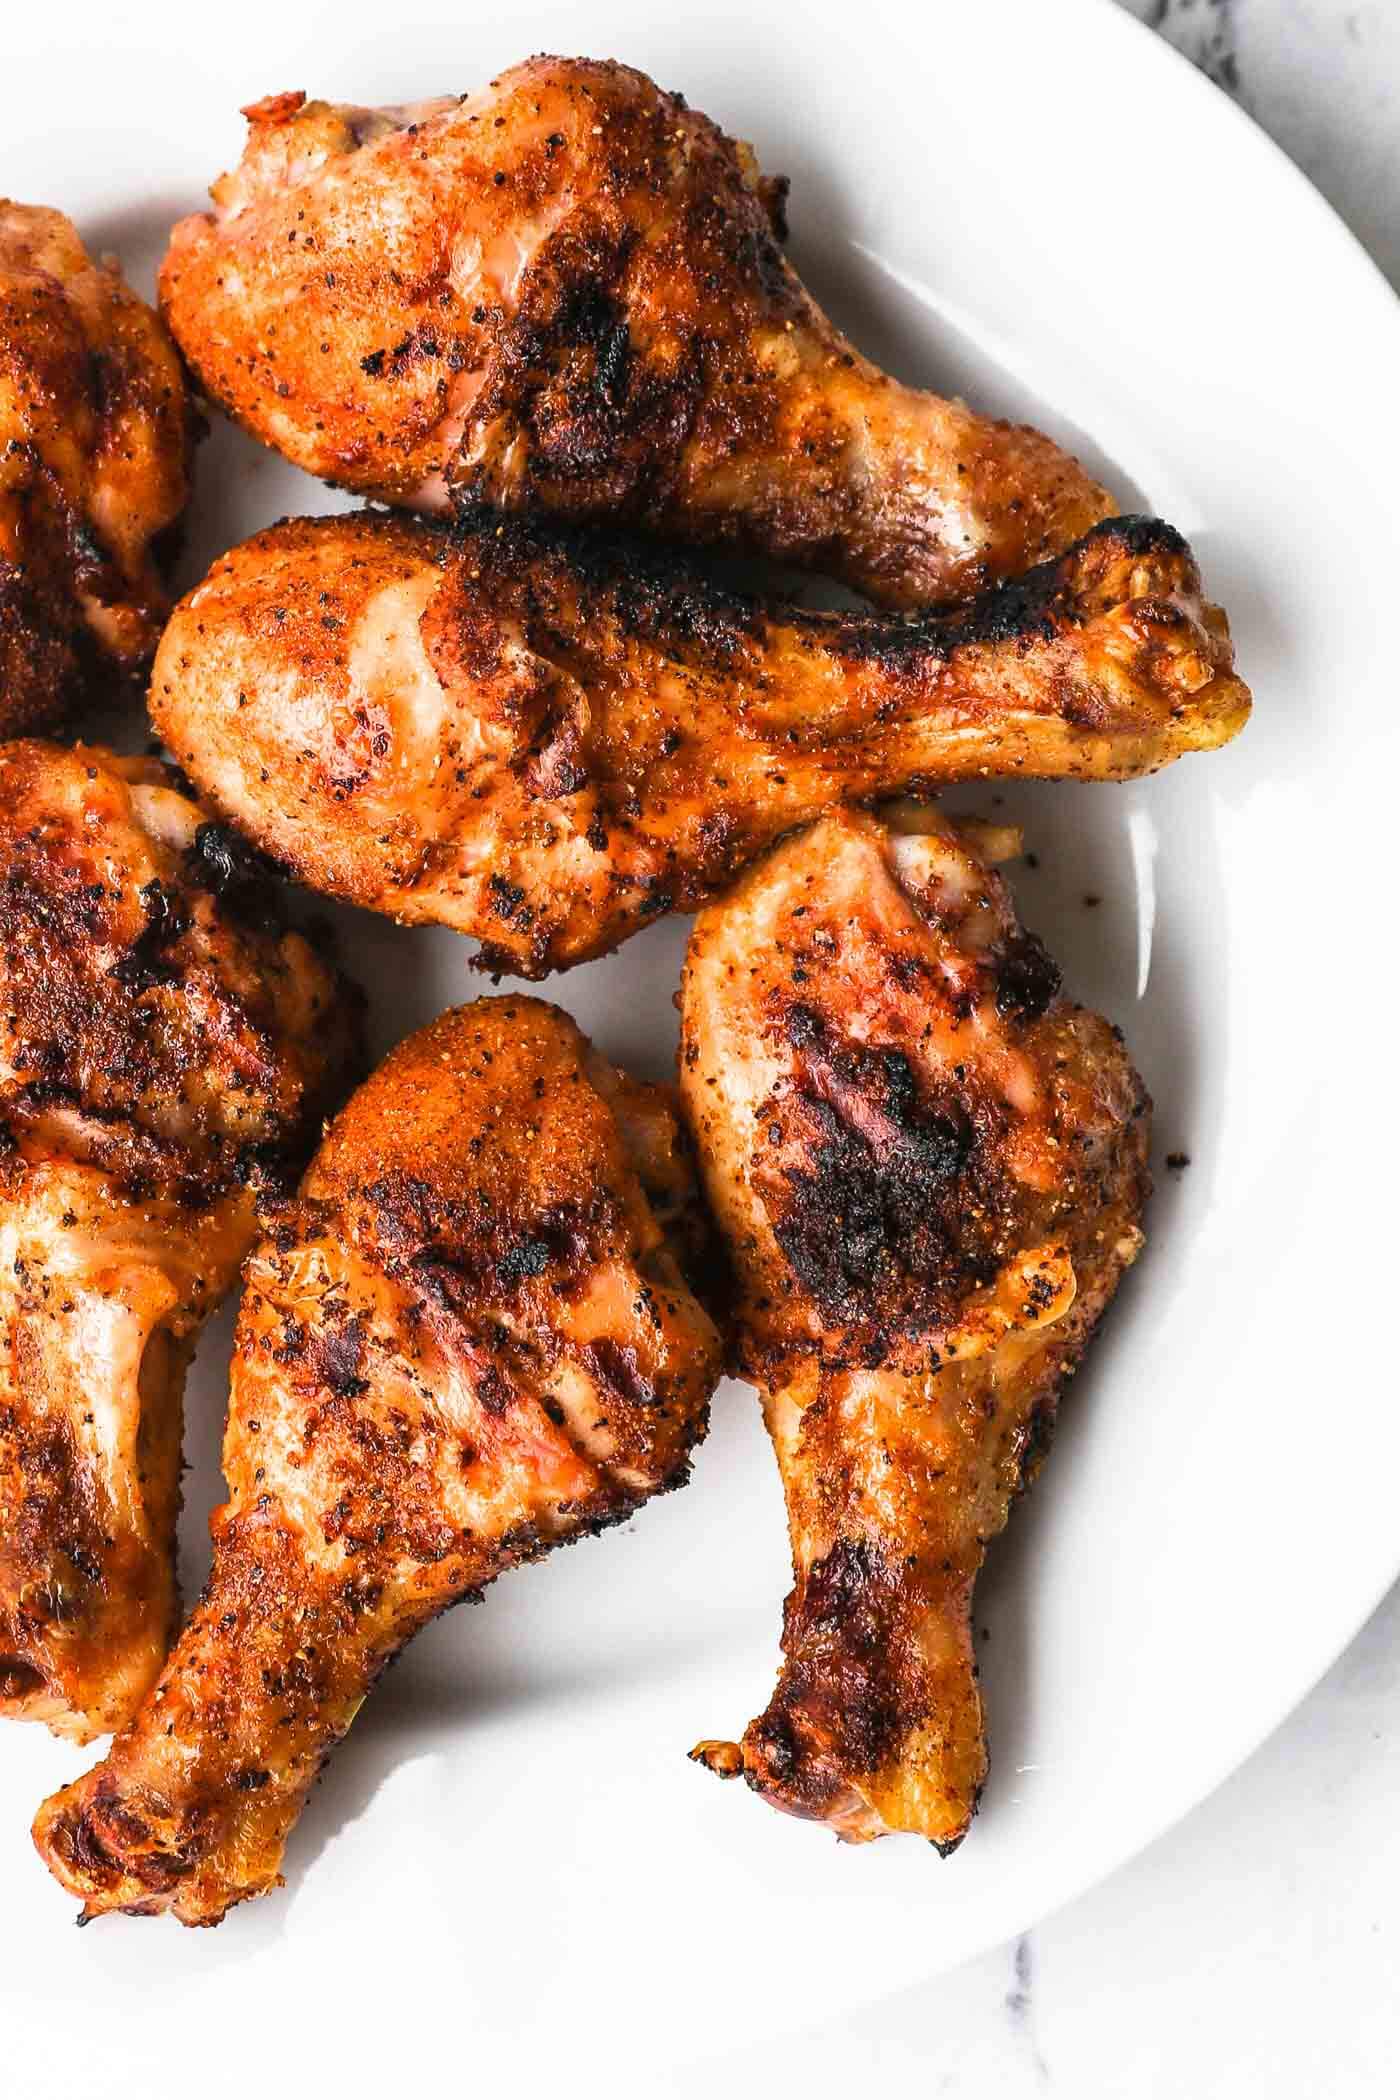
529,321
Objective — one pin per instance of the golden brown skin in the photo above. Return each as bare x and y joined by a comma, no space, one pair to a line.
929,1169
165,1056
96,437
466,1343
546,739
567,293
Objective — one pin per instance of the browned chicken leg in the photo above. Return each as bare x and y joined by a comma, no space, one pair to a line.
466,1343
567,293
96,432
930,1169
165,1056
545,739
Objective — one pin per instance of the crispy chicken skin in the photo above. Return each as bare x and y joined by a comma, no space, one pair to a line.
929,1169
164,1059
545,738
96,434
567,293
467,1342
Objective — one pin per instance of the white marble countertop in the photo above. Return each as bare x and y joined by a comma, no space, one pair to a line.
1253,1949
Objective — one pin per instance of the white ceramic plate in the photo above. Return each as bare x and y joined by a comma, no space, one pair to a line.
511,1863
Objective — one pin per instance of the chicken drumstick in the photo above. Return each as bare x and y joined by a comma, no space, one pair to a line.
467,1342
546,739
566,293
930,1169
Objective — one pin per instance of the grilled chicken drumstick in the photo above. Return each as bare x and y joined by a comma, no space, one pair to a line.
545,739
567,293
96,432
466,1343
164,1059
930,1169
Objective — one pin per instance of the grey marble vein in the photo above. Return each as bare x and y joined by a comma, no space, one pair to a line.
1203,29
1020,2005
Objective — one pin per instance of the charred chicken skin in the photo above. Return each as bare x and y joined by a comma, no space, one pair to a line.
929,1169
567,293
545,739
164,1058
467,1342
96,433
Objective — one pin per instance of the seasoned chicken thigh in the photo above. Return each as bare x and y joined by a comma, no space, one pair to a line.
96,433
930,1169
567,293
165,1055
545,739
466,1343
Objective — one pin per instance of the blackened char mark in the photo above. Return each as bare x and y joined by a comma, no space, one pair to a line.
146,962
1027,978
460,1251
1054,596
644,590
244,880
508,901
850,1691
870,1205
563,370
335,1357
